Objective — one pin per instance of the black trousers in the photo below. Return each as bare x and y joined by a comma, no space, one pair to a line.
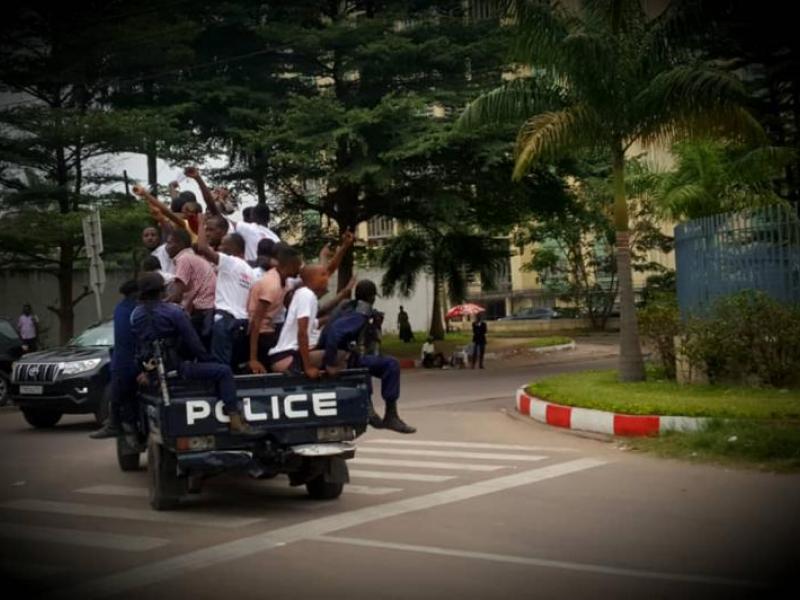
477,353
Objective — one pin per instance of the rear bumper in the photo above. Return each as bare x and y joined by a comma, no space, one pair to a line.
218,461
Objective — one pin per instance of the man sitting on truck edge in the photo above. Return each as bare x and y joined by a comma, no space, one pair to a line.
348,325
156,320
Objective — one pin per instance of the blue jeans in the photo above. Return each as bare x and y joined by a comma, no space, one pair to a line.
387,369
227,338
221,375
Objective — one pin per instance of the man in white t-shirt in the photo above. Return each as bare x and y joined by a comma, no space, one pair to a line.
151,238
251,232
234,278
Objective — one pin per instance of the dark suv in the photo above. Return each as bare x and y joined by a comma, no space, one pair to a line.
71,379
10,350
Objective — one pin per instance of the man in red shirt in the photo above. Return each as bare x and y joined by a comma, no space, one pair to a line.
195,283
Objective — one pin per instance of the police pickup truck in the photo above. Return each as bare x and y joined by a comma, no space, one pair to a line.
308,430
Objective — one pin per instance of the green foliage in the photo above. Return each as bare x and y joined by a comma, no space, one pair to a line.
659,322
747,337
602,391
769,446
712,178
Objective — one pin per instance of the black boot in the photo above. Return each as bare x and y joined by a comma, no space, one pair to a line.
374,420
238,426
393,421
110,428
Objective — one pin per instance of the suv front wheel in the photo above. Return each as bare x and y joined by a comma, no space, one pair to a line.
41,418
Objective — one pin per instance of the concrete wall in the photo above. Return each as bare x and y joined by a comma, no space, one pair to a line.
40,290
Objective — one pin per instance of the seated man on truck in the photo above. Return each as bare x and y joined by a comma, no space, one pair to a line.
156,320
347,325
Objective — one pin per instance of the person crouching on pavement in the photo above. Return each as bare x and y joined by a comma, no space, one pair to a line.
348,326
153,320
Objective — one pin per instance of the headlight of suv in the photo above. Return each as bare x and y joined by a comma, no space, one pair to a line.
79,366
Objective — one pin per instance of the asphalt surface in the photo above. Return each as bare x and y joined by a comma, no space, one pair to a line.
478,504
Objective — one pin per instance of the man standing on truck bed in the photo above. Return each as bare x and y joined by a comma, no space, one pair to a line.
154,319
348,325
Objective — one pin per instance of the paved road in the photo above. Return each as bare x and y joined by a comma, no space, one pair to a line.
477,505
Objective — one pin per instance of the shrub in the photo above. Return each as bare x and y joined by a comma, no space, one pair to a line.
659,322
748,337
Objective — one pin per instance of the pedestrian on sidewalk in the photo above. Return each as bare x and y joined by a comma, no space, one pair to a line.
28,329
479,331
405,333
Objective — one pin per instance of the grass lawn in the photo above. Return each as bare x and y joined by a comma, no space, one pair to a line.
602,391
391,344
750,427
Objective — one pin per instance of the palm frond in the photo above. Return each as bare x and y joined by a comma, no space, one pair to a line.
552,134
541,27
405,257
517,100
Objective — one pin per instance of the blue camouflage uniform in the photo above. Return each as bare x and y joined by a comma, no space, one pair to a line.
164,321
123,364
346,328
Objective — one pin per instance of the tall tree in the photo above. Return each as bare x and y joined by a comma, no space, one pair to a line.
606,76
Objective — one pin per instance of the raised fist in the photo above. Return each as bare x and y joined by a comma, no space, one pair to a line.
191,172
139,190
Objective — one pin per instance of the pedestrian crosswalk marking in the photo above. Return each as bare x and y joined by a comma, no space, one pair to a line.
399,476
92,539
113,512
467,445
370,490
453,454
424,464
115,490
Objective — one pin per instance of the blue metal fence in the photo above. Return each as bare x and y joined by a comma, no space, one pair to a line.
750,250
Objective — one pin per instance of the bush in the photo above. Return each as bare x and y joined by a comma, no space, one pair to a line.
748,337
659,322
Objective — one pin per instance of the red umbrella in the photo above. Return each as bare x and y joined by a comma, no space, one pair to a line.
464,309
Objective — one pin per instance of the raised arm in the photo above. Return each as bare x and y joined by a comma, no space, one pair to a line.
344,294
347,242
142,192
203,248
211,204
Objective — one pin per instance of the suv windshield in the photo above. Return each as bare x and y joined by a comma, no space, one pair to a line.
101,335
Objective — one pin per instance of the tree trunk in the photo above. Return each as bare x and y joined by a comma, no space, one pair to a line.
631,365
66,314
437,323
152,167
261,187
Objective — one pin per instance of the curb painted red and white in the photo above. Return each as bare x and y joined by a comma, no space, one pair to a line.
598,421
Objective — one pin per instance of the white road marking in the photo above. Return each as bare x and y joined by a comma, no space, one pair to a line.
399,476
543,562
468,445
113,512
115,490
26,570
453,454
176,566
423,464
368,490
74,537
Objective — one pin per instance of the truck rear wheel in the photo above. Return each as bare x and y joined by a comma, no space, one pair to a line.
127,457
41,418
319,489
166,488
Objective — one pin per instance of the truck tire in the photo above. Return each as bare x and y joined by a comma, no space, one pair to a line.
41,418
104,407
319,489
166,488
127,457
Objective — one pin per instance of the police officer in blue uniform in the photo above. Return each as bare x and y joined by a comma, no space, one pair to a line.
347,325
153,319
122,405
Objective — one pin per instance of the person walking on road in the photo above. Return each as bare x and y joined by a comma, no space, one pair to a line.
479,331
28,329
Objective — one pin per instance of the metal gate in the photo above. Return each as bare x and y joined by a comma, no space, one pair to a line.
749,250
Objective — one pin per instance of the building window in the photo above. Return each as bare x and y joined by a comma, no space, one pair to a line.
380,227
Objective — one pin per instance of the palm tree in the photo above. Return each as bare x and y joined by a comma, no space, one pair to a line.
711,178
605,76
452,258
